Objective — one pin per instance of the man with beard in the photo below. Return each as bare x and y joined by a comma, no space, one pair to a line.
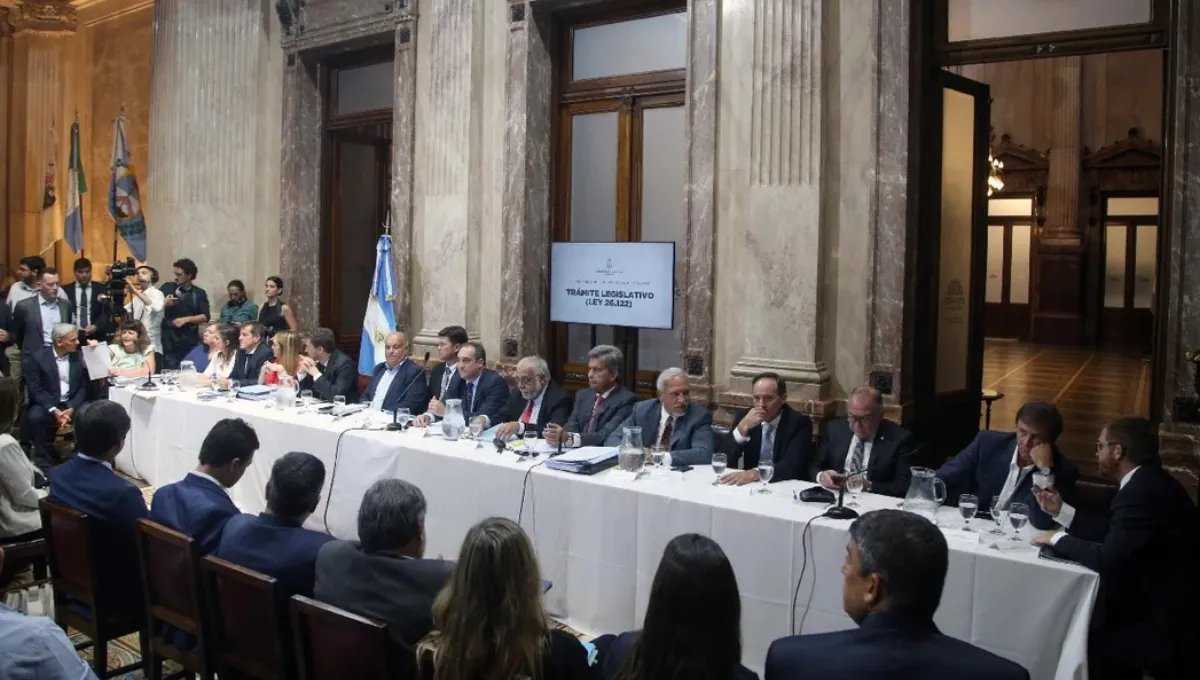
536,403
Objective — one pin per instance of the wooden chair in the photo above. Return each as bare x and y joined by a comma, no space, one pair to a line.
171,582
17,556
73,575
251,630
333,644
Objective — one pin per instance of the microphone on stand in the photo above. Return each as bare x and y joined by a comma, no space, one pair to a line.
149,384
840,511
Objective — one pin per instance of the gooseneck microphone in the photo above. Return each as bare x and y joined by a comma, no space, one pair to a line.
840,511
149,384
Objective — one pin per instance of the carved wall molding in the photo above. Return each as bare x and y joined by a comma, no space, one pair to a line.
46,16
315,24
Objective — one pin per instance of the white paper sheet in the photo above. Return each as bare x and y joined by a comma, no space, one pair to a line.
98,361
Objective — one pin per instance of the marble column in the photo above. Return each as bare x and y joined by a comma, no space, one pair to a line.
447,168
5,106
214,143
1062,194
403,142
771,141
43,31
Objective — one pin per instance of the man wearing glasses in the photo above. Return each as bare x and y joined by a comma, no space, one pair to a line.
866,443
536,403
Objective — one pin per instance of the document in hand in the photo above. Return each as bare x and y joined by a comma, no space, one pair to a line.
98,361
587,460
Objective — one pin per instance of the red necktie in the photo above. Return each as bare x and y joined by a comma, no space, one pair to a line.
591,426
528,414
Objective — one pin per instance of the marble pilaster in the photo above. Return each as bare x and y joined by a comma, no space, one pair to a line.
1062,193
211,148
300,186
771,145
6,45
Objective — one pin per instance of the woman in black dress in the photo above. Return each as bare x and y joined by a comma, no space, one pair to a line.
489,623
693,624
275,315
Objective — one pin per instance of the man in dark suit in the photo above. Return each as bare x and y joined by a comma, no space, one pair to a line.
327,371
251,355
483,391
1001,464
199,504
601,408
398,382
88,484
86,307
769,429
34,318
449,340
384,575
57,385
895,569
866,441
1146,552
672,421
536,402
275,542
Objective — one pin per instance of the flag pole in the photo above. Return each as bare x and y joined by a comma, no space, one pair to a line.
117,227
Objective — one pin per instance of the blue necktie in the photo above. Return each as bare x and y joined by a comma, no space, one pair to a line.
470,397
766,450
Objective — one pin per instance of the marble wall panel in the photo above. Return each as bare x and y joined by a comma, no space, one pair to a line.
300,186
1121,91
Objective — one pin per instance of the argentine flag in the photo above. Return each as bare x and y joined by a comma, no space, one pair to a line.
380,318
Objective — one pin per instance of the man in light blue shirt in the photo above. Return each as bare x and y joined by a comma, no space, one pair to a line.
35,648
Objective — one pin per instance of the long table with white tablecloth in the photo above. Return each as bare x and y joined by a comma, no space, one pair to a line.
599,538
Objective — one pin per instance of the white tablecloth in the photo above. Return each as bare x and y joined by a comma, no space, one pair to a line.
600,538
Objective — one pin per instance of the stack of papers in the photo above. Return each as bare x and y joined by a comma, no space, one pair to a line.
255,392
586,460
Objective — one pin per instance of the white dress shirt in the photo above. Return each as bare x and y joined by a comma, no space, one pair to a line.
105,463
663,417
150,315
385,384
868,444
51,315
1016,473
737,435
63,363
533,412
1066,514
84,295
218,369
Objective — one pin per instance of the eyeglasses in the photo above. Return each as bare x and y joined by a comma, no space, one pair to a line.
860,419
1102,445
526,380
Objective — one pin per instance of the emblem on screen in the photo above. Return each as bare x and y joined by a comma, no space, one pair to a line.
608,269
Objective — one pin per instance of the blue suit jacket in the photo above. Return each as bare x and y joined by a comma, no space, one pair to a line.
408,388
41,379
114,507
691,440
982,468
274,547
491,393
194,507
885,647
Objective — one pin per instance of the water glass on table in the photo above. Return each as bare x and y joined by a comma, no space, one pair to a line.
657,453
999,516
231,390
968,505
855,481
531,439
719,463
766,470
1018,517
477,425
306,400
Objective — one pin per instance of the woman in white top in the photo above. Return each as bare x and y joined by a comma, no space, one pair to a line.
147,304
220,363
19,516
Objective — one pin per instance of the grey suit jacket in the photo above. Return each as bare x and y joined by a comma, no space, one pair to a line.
613,412
26,323
691,440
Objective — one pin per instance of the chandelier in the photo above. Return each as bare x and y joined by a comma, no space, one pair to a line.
995,182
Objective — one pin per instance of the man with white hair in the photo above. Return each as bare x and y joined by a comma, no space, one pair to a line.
57,385
672,421
536,402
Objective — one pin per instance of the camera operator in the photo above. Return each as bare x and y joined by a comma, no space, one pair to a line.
147,305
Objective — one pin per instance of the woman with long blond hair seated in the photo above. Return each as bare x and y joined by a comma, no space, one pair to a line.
225,347
286,345
489,623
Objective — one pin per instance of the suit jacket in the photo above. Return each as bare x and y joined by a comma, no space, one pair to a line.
435,381
196,507
339,377
394,590
885,647
26,322
792,450
246,367
1146,556
5,325
191,303
613,412
41,379
889,468
691,440
269,545
556,407
491,393
114,507
406,391
982,468
95,308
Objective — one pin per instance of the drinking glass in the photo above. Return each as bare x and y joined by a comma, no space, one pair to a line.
719,463
968,505
657,452
1018,515
855,481
999,516
531,439
306,400
766,469
477,426
339,404
403,416
231,393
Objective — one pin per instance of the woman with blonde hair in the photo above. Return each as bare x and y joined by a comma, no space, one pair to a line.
202,354
489,623
286,363
225,348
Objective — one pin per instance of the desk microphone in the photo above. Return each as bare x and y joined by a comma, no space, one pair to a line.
840,511
149,384
498,442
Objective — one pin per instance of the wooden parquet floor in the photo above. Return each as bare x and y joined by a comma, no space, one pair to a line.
1090,388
